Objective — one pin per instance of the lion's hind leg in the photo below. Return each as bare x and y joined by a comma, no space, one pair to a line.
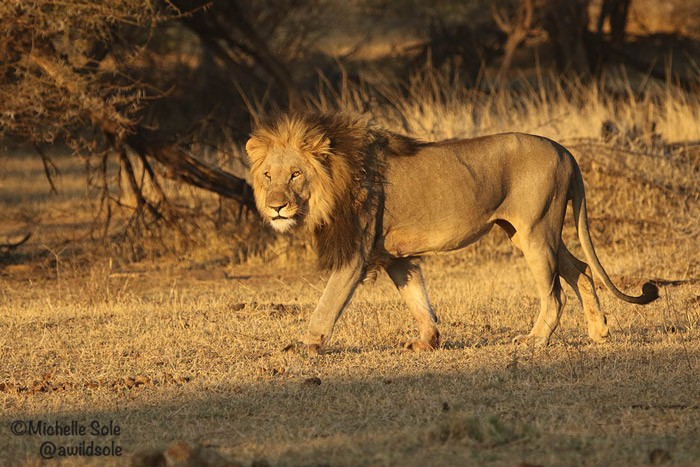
578,275
408,279
540,248
542,261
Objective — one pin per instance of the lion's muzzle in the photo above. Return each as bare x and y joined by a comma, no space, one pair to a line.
280,212
277,208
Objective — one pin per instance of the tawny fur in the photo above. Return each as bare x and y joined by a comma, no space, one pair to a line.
348,155
372,198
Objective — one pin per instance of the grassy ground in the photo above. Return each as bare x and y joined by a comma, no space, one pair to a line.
191,347
198,356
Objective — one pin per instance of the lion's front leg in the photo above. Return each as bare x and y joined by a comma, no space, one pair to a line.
408,279
335,298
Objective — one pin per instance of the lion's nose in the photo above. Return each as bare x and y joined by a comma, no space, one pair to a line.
277,206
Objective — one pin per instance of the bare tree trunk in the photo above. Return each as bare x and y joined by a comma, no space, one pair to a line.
566,22
266,58
217,26
619,12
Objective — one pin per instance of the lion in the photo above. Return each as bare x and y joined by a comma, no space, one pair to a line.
373,199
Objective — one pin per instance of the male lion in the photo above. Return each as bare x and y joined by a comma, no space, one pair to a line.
372,198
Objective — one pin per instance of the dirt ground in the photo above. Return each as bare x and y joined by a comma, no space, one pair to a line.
138,357
200,356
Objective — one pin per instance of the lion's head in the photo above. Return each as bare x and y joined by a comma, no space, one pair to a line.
296,178
323,172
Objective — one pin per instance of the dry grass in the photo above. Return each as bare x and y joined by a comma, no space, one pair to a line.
191,348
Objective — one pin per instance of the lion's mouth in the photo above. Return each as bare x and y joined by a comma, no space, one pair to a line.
282,224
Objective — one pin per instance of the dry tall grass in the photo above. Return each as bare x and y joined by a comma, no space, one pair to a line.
191,347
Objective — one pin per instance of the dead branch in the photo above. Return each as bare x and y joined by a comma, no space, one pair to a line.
516,28
180,164
50,168
122,131
104,115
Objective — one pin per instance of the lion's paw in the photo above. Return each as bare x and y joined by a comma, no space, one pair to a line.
598,331
599,337
531,340
419,345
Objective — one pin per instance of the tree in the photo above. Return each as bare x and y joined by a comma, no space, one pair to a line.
76,73
227,33
517,29
616,12
566,23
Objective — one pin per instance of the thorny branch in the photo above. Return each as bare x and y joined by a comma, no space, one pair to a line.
68,66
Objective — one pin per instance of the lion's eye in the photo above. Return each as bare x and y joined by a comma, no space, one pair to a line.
267,175
296,175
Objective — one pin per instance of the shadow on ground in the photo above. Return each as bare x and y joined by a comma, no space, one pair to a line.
555,406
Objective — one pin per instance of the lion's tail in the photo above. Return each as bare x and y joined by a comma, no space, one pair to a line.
650,291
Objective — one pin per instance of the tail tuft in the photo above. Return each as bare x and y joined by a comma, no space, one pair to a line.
650,292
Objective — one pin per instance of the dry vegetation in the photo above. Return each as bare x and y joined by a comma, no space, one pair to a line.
191,347
180,333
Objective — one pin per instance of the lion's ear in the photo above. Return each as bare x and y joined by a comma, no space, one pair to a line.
257,149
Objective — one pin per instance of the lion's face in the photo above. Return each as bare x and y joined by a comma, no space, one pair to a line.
297,178
282,185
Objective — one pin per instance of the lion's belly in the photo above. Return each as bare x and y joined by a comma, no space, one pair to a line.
433,228
436,203
422,240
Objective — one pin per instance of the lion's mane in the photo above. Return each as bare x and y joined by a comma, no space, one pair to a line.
348,155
